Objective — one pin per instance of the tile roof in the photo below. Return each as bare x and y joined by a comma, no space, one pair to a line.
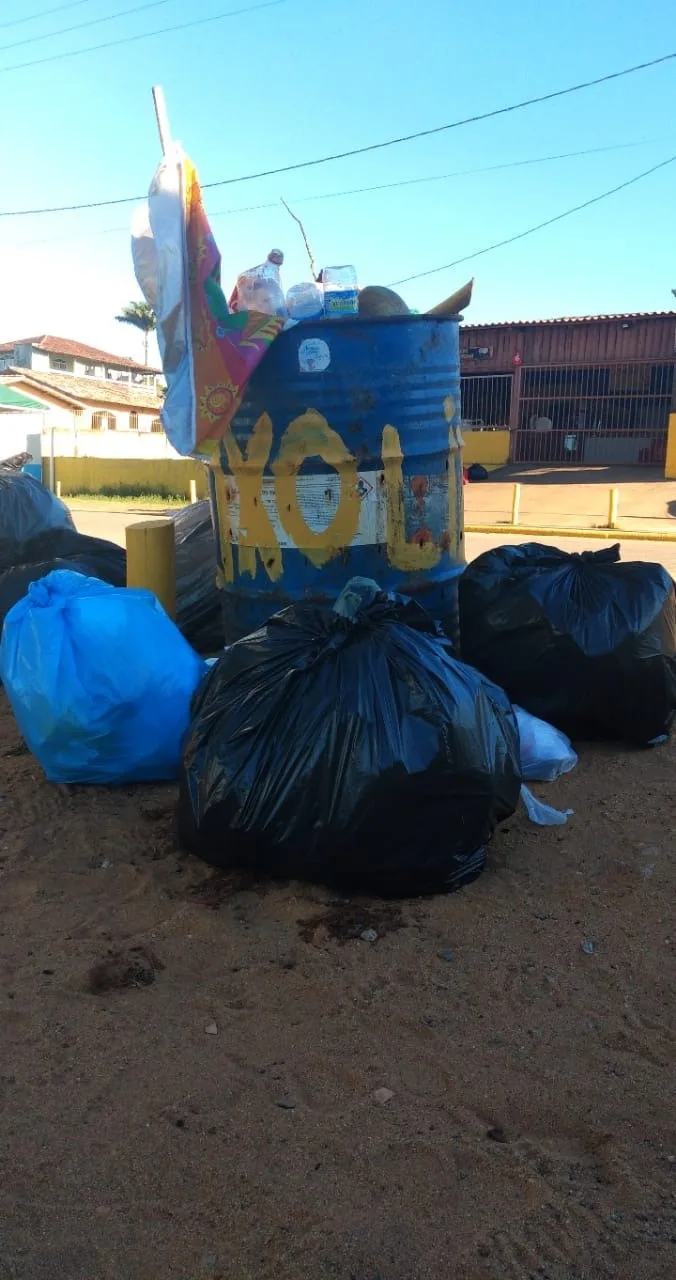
79,391
79,350
622,315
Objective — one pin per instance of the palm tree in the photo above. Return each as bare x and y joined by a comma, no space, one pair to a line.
142,317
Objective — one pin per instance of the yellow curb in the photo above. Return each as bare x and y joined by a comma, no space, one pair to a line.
615,535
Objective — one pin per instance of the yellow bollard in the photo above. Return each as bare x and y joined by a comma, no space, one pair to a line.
516,503
613,503
151,560
193,491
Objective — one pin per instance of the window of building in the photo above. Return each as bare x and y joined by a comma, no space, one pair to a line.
133,421
90,370
156,425
104,421
58,362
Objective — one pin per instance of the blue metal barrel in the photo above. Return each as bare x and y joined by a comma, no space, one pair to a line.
344,459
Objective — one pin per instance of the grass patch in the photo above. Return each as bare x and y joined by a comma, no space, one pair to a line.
130,493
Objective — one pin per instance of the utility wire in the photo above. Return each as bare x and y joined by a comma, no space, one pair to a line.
79,26
144,35
44,13
358,151
332,195
500,244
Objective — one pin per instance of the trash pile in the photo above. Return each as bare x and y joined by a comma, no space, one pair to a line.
38,537
99,679
350,746
333,293
199,611
347,745
584,641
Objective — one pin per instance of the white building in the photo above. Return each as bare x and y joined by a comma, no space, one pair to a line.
47,354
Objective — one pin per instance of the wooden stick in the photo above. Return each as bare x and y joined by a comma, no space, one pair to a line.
310,255
162,117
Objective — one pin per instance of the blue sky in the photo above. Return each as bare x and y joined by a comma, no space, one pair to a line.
310,77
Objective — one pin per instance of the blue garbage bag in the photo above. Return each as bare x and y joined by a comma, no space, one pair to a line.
99,679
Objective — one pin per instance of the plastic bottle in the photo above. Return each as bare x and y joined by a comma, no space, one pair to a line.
341,292
260,288
305,301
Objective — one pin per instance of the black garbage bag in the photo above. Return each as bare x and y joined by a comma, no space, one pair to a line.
199,612
27,508
353,751
58,549
585,642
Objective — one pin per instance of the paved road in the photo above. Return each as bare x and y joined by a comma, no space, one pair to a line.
103,523
100,522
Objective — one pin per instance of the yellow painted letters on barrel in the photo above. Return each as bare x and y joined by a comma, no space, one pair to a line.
255,529
455,494
310,436
407,556
222,516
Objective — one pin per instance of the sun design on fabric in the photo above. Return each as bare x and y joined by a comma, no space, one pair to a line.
218,400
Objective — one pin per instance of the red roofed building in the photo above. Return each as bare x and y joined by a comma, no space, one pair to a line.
47,354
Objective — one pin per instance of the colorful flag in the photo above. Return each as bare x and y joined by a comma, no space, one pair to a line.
208,353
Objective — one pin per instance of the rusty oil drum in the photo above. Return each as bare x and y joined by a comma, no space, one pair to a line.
344,459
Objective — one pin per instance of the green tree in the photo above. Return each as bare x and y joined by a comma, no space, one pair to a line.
142,317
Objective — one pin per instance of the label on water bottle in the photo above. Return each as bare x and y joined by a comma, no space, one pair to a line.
341,302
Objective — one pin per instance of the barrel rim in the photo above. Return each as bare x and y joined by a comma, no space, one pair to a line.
341,322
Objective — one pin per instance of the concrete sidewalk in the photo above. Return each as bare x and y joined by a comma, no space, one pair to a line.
575,498
99,522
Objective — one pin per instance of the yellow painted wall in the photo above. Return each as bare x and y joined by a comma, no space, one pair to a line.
128,476
670,464
490,448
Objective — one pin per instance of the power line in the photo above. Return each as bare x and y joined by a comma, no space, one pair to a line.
353,191
144,35
500,244
458,173
44,13
79,26
358,151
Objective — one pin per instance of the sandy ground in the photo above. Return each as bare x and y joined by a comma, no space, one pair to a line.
190,1067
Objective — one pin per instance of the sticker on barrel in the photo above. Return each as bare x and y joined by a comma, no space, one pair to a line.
314,355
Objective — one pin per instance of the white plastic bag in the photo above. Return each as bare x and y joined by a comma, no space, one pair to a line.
543,814
546,753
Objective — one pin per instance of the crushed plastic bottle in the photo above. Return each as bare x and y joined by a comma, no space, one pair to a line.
341,291
305,301
260,288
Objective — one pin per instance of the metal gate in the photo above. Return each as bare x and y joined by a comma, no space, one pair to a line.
486,400
594,414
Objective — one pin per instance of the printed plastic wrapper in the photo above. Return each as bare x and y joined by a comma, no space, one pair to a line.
584,642
349,747
199,609
27,509
99,679
546,753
